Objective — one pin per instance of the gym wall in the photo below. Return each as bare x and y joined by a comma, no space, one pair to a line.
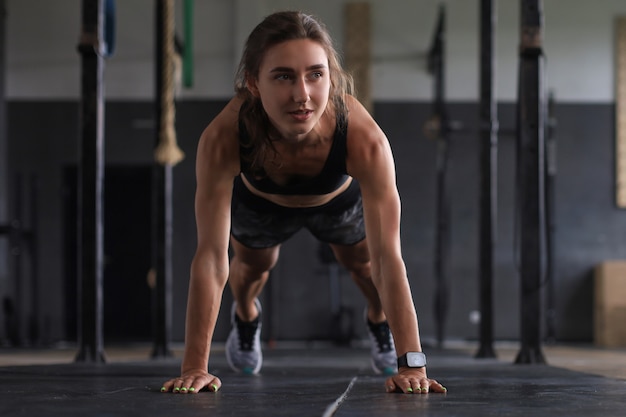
42,89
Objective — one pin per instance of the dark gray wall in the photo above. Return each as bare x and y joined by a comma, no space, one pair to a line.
43,140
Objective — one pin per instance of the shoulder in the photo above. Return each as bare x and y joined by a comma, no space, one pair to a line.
365,138
219,142
225,123
221,134
362,128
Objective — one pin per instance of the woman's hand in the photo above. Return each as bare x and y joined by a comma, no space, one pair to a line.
192,382
413,381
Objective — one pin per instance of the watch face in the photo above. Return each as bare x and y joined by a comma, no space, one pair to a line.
416,359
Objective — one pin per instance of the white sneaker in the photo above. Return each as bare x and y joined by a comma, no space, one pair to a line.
243,346
383,350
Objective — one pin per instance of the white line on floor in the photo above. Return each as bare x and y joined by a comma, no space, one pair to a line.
330,410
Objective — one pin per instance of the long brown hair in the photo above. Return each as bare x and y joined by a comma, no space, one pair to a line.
274,29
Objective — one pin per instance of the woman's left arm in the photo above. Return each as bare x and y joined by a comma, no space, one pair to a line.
371,162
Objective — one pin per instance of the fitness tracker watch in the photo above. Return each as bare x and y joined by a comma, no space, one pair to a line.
412,360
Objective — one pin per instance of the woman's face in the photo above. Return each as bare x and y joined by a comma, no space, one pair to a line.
293,85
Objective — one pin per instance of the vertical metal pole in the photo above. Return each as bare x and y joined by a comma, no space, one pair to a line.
437,67
17,251
34,324
550,164
91,183
530,136
442,291
161,213
4,160
488,176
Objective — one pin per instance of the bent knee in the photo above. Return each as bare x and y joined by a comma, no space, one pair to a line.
363,272
354,258
255,260
359,269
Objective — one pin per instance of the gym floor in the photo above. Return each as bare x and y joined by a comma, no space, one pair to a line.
315,380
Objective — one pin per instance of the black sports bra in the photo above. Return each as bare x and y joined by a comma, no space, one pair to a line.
333,175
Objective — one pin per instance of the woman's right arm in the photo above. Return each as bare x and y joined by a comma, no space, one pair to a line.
217,163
